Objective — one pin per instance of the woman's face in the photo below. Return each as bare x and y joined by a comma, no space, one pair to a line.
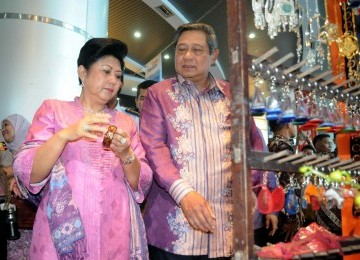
102,80
8,131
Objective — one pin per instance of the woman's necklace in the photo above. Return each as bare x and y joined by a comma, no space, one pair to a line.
91,111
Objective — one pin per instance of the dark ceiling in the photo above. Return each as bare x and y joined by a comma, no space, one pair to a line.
126,16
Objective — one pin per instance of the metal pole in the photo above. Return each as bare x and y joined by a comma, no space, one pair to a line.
238,58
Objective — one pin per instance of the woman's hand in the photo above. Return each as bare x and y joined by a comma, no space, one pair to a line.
91,127
120,144
13,187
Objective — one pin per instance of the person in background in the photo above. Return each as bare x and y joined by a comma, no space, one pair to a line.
322,144
91,188
265,225
142,91
282,136
185,130
328,217
14,130
140,96
308,150
288,224
5,162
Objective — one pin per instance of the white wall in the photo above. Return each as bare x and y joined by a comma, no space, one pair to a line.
38,56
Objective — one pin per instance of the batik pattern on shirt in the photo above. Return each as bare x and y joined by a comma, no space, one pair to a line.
186,134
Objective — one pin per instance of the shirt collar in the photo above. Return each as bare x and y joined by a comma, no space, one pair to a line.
213,83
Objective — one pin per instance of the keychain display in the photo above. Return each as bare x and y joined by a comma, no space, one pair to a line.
278,196
264,198
292,205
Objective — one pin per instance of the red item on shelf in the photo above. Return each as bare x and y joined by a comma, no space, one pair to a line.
264,201
278,198
312,239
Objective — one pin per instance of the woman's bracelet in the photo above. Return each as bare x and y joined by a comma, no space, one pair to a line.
130,158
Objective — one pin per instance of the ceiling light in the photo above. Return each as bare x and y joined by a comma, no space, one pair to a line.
166,56
137,34
252,35
134,89
164,11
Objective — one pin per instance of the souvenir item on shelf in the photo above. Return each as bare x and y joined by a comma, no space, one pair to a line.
258,106
281,15
305,198
292,205
264,199
332,195
259,17
273,107
278,196
315,115
356,120
288,109
326,114
302,109
338,119
311,240
311,193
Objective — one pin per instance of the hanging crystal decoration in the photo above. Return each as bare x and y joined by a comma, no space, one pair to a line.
287,107
273,108
348,117
314,112
281,15
258,106
259,18
356,120
315,109
338,118
326,113
302,109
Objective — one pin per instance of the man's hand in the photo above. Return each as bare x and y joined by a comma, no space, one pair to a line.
271,223
198,212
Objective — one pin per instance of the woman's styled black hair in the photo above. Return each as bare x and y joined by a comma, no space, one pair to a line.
96,48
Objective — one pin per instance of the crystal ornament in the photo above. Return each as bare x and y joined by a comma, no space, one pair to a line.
258,106
287,106
273,108
259,17
280,15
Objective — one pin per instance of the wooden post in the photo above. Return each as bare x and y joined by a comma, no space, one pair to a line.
242,191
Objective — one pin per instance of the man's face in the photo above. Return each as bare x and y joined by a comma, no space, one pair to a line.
324,145
140,99
192,56
293,130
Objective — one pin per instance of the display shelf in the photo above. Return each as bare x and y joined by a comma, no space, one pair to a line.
285,162
245,160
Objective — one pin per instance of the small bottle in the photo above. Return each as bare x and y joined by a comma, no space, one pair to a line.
109,135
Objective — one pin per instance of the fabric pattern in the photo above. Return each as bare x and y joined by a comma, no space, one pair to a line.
186,134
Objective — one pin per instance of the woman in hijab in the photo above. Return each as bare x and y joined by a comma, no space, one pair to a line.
90,165
14,130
